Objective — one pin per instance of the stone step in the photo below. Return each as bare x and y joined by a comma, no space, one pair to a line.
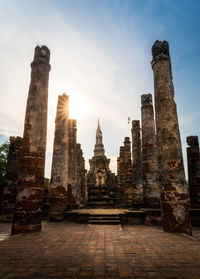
104,219
108,222
101,201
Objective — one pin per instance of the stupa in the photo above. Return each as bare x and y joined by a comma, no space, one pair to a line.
100,180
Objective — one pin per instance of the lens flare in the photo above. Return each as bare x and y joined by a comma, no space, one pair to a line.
78,106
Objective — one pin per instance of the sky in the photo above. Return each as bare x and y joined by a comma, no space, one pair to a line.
100,56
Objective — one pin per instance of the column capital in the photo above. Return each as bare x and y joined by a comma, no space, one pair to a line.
160,52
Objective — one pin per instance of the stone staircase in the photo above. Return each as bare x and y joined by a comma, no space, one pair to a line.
103,219
101,203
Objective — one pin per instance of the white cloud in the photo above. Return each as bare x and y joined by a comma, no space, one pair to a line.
104,70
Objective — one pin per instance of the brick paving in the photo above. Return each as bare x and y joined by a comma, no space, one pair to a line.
101,210
73,250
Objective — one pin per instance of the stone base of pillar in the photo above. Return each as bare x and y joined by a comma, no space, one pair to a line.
16,228
28,210
56,217
58,204
57,209
175,208
8,205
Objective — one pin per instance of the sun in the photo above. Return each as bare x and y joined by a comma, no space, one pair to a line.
78,106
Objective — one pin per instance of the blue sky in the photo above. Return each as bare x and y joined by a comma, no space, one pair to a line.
100,56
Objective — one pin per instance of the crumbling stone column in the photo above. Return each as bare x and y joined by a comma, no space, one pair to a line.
72,167
137,178
60,162
124,175
9,192
149,154
80,178
193,159
28,211
120,176
174,196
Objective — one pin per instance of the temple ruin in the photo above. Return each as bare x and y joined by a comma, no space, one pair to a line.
149,154
101,184
137,173
80,177
174,195
30,185
150,183
60,162
125,191
67,187
72,164
193,159
10,191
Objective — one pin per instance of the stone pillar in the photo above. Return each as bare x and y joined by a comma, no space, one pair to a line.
193,159
9,192
28,211
72,168
137,178
80,177
59,170
124,173
149,154
174,196
120,176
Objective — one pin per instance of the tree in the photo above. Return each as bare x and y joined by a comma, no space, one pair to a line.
4,148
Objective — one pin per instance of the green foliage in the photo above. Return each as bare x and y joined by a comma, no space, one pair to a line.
4,148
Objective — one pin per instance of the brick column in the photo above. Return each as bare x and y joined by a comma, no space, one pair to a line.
193,159
174,196
137,178
59,170
124,174
72,167
149,154
80,178
28,212
9,192
120,190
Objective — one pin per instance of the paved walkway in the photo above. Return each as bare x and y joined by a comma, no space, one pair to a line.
100,211
72,250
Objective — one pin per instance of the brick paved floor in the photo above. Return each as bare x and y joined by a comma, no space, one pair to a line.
101,210
72,250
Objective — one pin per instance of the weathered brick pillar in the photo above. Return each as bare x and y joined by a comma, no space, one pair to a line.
72,168
124,172
193,159
174,196
80,178
149,154
120,176
59,170
137,178
9,192
28,211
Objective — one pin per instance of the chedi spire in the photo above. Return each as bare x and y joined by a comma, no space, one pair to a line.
99,148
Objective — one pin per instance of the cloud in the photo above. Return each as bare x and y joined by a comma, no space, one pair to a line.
100,56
